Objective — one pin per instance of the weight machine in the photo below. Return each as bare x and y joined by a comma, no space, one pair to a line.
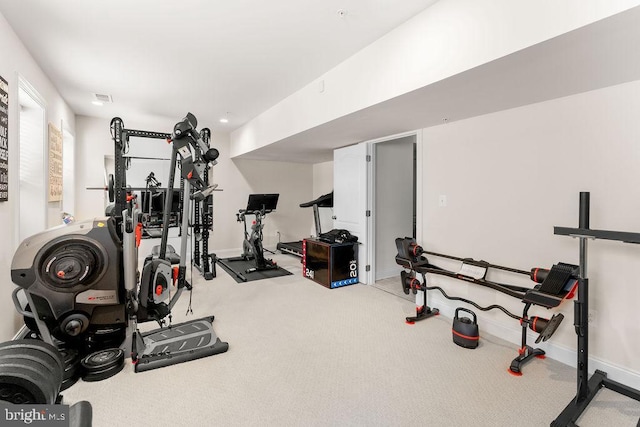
82,281
553,286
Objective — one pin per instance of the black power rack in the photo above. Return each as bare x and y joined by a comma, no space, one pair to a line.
588,387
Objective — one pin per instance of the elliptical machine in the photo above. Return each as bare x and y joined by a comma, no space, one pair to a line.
82,284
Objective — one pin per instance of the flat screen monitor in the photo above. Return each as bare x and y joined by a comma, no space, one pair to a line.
257,202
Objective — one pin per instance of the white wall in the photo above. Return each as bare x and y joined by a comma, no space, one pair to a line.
17,60
294,183
322,178
446,39
323,184
510,177
93,142
236,178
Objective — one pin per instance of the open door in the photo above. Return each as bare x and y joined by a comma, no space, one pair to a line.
350,198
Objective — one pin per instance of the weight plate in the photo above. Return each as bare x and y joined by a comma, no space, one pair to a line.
102,360
37,371
47,364
17,387
69,382
15,393
69,356
44,347
114,336
103,374
21,374
71,359
111,187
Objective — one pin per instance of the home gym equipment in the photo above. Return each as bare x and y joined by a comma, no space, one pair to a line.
152,200
82,283
102,364
333,265
72,367
324,201
553,287
32,372
588,388
258,205
202,260
465,330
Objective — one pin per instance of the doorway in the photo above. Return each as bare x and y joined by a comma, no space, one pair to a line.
394,200
32,207
375,188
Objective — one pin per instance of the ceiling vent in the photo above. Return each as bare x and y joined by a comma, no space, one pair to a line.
105,99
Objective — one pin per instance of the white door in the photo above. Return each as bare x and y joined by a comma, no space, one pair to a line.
350,172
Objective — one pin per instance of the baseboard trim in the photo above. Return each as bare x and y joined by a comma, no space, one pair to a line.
511,332
227,253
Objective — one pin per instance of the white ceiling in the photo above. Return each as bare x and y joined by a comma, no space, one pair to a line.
596,56
243,56
214,58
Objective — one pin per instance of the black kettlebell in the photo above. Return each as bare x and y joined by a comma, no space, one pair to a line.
465,331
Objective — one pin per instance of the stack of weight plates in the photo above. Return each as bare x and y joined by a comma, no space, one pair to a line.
72,367
102,364
31,371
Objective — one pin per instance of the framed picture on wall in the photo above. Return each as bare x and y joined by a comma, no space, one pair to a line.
4,140
55,164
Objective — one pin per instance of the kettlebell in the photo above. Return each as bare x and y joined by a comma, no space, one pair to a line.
465,331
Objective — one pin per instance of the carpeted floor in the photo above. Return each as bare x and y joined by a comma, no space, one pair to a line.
304,355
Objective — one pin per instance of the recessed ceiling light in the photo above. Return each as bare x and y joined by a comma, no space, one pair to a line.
223,120
98,103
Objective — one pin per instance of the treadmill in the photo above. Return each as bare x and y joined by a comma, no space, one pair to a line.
295,248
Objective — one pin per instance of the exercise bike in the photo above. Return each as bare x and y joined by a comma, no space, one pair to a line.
258,205
81,281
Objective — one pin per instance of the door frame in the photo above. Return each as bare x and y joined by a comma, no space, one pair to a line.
30,90
371,191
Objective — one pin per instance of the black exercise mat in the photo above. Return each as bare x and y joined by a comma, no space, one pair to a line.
240,266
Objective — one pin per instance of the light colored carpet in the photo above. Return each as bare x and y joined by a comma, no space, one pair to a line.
304,355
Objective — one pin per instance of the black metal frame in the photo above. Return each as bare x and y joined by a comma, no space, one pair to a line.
587,388
121,137
202,260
